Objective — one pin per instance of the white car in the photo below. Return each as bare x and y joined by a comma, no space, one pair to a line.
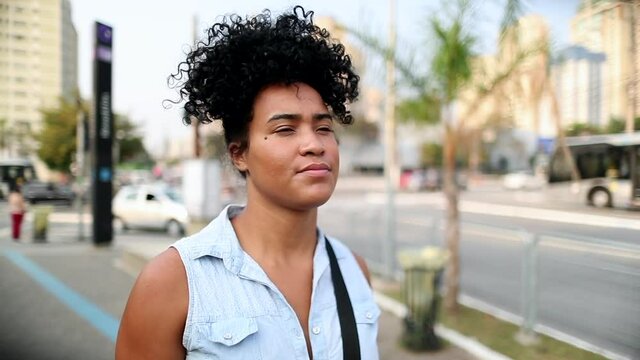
522,180
149,207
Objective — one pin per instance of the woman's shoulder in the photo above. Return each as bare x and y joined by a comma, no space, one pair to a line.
167,267
165,280
157,308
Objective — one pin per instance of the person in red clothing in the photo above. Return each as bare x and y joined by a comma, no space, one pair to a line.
17,208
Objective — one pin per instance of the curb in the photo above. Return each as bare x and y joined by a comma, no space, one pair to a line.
470,345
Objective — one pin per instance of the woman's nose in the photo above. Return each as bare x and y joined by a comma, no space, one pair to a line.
311,144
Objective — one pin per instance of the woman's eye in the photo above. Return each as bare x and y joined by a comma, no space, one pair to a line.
284,130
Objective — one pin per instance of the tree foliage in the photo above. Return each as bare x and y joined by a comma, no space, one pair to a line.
424,108
131,148
618,125
57,136
451,66
431,155
615,126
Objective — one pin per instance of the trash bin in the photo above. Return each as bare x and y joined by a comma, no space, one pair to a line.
41,222
422,274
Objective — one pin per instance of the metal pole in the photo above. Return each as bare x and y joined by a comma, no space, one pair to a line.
391,170
80,168
527,335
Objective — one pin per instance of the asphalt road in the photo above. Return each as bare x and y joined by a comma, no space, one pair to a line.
588,277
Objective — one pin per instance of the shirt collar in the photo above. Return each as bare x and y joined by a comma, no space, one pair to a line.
219,239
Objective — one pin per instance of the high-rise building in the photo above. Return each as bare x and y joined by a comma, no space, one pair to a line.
38,65
606,26
578,76
519,102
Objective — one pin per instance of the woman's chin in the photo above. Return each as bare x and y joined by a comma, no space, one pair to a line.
314,200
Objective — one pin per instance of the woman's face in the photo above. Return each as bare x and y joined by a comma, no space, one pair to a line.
292,155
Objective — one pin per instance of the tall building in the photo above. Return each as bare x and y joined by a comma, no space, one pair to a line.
38,65
515,104
606,26
514,118
579,79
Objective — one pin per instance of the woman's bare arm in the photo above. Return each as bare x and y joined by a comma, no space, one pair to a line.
154,318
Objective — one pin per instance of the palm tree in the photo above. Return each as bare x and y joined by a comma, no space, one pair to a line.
451,69
451,72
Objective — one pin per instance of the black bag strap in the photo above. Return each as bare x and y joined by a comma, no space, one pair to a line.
350,341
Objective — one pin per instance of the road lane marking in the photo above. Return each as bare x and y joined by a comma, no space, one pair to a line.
549,241
523,212
598,249
99,319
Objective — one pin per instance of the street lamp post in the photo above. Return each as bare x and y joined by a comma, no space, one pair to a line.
391,170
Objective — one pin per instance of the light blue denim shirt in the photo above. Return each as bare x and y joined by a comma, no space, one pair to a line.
236,312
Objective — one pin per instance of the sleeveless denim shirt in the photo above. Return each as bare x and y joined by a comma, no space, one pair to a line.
236,312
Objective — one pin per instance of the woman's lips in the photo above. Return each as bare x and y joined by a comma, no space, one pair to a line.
316,169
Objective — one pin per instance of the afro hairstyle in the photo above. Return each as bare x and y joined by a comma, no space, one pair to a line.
223,74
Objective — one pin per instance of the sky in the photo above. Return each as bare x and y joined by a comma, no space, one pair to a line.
150,38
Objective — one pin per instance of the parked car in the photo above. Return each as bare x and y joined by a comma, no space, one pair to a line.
38,192
523,180
158,207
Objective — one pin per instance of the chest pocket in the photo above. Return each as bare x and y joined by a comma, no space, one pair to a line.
227,339
367,315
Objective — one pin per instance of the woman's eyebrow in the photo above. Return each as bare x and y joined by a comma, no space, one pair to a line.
286,116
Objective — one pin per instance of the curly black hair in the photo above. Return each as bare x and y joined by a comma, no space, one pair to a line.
222,75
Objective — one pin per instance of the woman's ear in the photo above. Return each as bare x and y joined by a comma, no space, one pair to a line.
237,154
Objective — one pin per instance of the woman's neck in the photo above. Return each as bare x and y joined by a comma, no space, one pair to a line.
274,235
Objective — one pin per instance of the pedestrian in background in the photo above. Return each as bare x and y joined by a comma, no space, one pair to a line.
262,281
17,209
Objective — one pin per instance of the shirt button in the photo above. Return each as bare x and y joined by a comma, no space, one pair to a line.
228,336
316,330
369,315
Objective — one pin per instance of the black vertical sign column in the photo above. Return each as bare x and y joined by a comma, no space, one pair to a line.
102,173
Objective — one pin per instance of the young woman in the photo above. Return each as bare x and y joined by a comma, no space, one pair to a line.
261,281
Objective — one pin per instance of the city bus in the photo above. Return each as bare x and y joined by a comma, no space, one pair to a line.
14,171
608,166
